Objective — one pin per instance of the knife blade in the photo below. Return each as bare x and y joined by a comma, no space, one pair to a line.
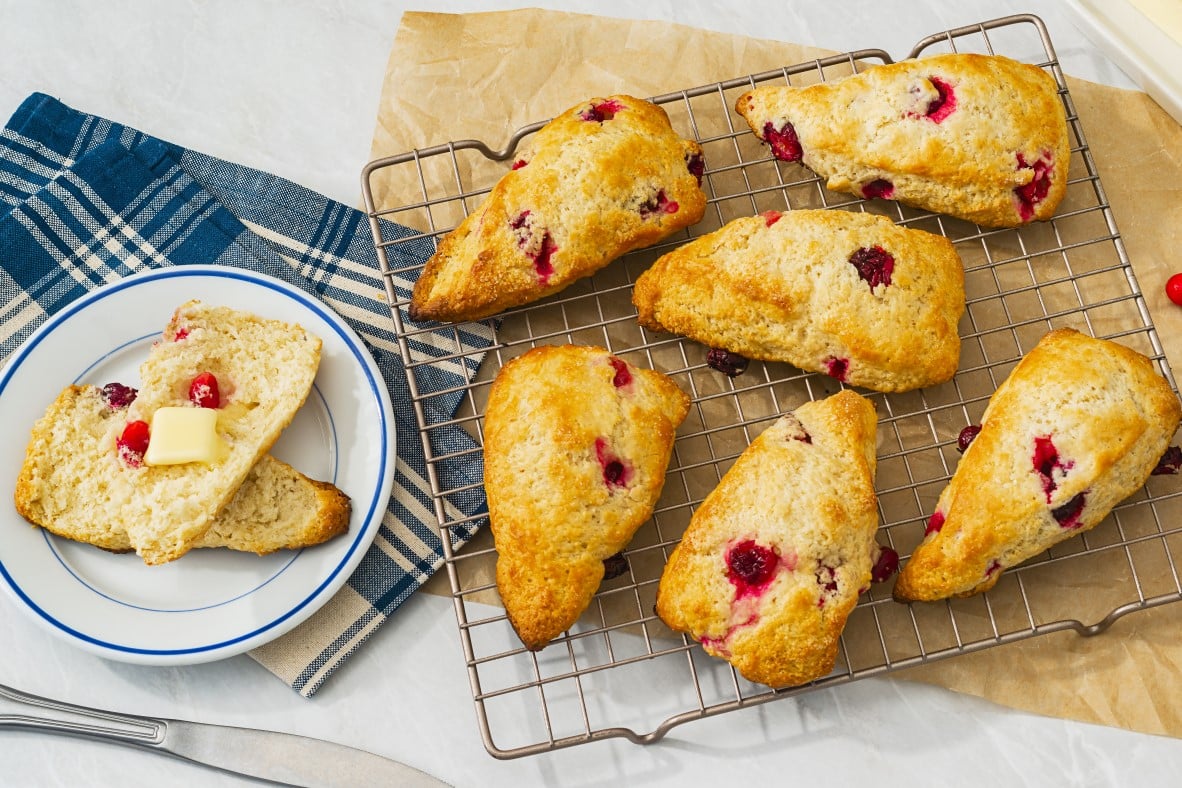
269,755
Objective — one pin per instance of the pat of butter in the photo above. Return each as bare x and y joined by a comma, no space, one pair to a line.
181,435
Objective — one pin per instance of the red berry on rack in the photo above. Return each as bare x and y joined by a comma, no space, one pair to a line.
1169,463
614,566
966,437
1174,288
203,391
885,565
726,362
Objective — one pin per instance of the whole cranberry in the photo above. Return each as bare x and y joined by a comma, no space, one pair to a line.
726,362
885,565
1169,463
966,437
119,396
1174,288
614,566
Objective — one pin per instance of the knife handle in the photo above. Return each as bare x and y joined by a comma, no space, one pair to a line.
30,712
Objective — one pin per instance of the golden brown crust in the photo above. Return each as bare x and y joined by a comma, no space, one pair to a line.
805,489
67,479
589,191
278,508
1004,124
782,287
1076,428
554,422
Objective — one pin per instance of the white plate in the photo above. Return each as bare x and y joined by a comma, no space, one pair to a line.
214,603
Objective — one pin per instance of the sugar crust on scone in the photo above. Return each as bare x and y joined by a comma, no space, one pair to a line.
799,505
603,178
845,293
980,137
1077,426
576,445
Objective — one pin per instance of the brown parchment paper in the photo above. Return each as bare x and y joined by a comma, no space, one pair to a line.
480,76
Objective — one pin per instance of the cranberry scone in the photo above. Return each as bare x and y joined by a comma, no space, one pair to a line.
71,469
1079,425
605,177
849,294
774,559
216,391
576,445
980,137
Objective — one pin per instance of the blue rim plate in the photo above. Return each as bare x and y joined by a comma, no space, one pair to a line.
209,604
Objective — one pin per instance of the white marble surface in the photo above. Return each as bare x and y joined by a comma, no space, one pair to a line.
292,87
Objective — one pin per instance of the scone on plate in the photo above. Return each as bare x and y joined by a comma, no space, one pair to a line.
774,559
603,178
980,137
849,294
215,392
71,469
576,444
1078,426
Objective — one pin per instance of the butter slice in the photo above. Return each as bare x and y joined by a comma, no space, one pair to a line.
181,435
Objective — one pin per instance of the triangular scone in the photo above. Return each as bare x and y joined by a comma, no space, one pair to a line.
774,559
263,371
979,137
1078,426
603,178
848,294
71,470
576,443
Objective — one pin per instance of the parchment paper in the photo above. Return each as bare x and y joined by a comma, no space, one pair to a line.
480,76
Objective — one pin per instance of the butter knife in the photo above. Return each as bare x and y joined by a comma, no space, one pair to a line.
268,755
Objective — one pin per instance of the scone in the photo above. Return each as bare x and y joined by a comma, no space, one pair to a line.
576,443
70,467
849,294
979,137
774,559
252,374
603,178
1077,426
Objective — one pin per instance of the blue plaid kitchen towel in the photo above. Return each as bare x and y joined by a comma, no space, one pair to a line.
85,201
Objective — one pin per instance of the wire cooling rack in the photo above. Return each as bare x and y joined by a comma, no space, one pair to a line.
619,671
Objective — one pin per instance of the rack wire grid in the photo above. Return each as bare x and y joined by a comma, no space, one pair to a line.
619,672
